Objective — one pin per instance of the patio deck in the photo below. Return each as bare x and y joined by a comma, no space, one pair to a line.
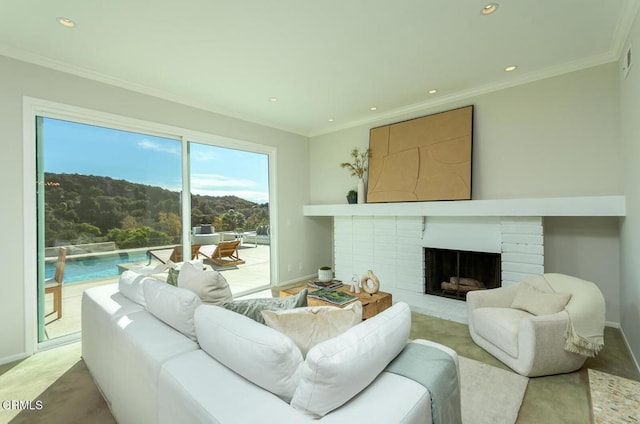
248,277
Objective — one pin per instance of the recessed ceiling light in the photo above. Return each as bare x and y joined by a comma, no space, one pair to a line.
432,91
273,99
489,9
330,119
510,68
373,108
66,22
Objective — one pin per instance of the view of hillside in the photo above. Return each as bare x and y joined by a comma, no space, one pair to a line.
85,209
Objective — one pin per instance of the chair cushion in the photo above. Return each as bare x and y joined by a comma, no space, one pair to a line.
499,326
209,285
260,354
537,302
312,325
253,308
339,368
173,305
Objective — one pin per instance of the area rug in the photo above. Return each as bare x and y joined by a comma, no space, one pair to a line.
613,399
488,394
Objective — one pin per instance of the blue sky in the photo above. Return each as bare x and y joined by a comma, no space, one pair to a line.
140,158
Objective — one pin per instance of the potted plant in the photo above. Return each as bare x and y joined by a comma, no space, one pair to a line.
358,168
325,274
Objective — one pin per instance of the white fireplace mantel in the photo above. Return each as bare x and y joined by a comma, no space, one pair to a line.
554,206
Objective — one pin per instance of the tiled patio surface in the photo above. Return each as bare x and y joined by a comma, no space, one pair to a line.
243,278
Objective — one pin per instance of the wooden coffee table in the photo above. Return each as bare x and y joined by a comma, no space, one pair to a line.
372,304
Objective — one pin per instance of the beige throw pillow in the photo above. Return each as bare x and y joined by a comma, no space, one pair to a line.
210,285
537,302
314,324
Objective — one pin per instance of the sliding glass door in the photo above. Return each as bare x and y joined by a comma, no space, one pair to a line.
230,204
105,198
109,199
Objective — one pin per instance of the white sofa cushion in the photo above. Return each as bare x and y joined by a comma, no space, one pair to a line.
339,368
141,345
260,354
209,285
131,286
500,326
537,302
172,305
314,324
193,388
102,306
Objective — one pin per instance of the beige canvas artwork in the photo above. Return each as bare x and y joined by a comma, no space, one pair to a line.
426,158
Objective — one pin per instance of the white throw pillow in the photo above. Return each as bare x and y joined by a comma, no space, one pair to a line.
338,369
210,285
131,286
260,354
314,324
172,305
537,302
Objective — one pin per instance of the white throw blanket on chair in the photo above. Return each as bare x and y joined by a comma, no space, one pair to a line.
586,309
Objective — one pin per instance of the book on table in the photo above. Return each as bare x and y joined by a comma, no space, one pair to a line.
329,285
332,296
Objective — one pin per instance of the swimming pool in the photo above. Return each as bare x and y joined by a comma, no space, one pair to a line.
88,268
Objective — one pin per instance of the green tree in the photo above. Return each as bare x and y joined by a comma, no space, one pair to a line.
137,237
170,223
232,220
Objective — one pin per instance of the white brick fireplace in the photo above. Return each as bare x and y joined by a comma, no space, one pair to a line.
393,247
390,239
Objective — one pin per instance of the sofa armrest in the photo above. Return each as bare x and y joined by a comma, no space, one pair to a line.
493,298
445,349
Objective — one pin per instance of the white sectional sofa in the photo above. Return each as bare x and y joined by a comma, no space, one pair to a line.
200,363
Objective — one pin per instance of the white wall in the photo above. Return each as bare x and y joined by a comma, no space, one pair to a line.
550,138
297,235
588,248
554,137
630,269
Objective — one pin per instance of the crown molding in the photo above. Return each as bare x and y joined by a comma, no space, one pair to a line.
552,71
47,62
623,28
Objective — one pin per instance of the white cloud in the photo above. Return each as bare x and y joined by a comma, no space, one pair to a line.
203,155
220,185
150,145
206,181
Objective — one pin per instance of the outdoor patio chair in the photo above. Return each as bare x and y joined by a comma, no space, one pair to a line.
54,285
173,254
225,254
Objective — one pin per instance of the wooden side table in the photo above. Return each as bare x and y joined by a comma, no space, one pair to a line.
372,304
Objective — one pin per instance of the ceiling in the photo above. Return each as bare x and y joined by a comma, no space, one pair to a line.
324,60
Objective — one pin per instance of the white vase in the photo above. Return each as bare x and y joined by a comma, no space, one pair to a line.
361,191
325,275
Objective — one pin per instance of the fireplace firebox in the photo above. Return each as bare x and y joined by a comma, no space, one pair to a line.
454,273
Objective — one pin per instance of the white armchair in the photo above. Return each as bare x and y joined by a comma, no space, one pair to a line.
534,345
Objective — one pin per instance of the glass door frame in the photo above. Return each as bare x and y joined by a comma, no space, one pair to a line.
32,108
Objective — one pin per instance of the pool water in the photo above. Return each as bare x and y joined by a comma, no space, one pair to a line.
94,267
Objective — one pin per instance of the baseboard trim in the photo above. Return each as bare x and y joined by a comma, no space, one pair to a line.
295,282
626,343
13,358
